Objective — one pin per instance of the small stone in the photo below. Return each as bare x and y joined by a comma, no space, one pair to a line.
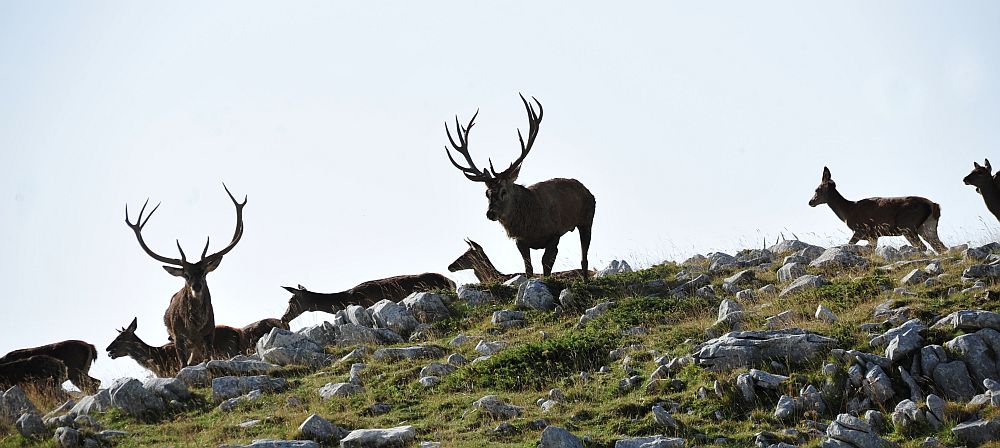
823,313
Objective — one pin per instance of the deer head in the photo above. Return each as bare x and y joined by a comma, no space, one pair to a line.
470,259
980,176
194,274
127,343
499,186
823,191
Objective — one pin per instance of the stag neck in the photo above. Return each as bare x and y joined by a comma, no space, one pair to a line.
521,218
840,206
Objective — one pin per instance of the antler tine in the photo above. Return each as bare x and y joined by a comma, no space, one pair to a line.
137,229
472,172
183,257
237,234
205,250
534,121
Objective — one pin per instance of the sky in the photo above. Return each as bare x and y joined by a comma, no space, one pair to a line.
698,126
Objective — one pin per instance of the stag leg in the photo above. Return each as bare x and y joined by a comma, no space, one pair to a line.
914,239
928,230
85,382
856,237
183,356
584,247
526,256
549,257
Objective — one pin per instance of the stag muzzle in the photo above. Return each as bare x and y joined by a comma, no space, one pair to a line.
491,215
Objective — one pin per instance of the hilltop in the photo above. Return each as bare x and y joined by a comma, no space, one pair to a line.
795,345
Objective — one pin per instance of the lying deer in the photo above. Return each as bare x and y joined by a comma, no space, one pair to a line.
911,216
365,294
475,258
162,361
534,217
77,356
987,185
190,318
41,370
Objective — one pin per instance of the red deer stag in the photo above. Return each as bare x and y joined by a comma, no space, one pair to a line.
475,258
534,217
190,319
162,360
76,355
986,184
365,294
41,370
911,216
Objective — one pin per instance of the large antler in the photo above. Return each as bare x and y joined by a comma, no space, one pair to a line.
236,234
137,228
534,120
472,172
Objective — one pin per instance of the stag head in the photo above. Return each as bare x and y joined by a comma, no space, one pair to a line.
126,342
980,176
499,186
194,274
826,186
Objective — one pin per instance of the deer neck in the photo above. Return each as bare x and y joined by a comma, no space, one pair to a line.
840,206
485,271
991,196
148,356
521,220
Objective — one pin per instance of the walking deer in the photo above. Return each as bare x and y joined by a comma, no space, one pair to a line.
911,216
535,217
476,259
985,182
365,294
77,356
41,370
190,318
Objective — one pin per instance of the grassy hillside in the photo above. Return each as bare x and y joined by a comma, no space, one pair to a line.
551,353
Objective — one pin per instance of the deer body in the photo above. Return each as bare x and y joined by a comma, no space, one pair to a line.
365,294
911,217
982,178
77,356
38,369
162,360
190,318
476,259
535,217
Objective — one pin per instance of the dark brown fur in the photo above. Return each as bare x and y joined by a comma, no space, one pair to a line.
911,216
76,355
253,332
190,317
986,184
476,259
41,370
535,217
162,361
365,294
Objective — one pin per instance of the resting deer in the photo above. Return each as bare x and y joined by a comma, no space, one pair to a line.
911,216
77,356
162,361
41,370
365,294
190,319
475,258
534,217
986,184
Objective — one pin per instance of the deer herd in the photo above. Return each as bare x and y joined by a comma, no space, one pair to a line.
535,217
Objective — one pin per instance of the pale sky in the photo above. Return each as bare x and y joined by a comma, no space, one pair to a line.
698,126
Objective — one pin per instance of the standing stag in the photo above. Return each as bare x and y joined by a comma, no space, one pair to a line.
982,178
534,217
190,319
364,294
911,216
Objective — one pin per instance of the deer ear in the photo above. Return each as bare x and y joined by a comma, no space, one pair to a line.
976,165
988,167
826,174
174,271
212,265
512,175
133,325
